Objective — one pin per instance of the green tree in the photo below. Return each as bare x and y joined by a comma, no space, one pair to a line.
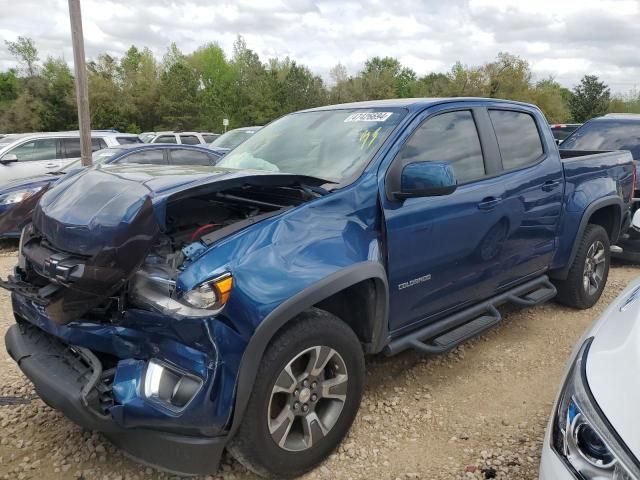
590,99
25,51
216,77
178,97
9,86
548,95
139,76
58,96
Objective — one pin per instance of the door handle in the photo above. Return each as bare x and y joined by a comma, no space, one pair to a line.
51,165
488,203
550,185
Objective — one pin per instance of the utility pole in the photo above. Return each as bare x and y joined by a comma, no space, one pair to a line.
82,89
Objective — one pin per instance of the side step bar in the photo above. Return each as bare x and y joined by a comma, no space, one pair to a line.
444,334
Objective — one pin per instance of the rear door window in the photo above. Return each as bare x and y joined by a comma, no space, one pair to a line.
34,150
518,138
98,144
449,137
189,157
149,157
166,139
189,140
71,146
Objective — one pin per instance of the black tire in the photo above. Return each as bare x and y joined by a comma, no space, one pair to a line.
253,445
572,291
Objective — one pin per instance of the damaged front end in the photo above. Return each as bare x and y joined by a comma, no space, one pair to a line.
99,278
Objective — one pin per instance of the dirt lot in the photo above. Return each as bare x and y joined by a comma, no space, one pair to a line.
478,412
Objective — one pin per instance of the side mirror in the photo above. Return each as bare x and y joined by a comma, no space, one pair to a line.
426,179
8,158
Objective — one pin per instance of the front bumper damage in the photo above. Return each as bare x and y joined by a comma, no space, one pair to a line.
94,373
72,381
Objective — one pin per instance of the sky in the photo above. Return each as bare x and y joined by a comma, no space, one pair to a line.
562,38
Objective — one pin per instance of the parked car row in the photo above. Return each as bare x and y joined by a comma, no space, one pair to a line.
19,197
187,309
25,155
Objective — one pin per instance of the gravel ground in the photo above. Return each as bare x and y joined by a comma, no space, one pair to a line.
477,412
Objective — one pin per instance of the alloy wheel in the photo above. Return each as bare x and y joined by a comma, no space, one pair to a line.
307,398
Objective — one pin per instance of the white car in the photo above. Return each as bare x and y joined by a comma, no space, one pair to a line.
594,430
27,155
184,138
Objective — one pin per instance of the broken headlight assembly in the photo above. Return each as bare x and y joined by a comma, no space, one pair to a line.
583,437
155,289
211,294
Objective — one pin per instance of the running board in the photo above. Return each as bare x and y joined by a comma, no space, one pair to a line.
445,334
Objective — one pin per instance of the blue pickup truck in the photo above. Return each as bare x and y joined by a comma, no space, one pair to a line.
187,310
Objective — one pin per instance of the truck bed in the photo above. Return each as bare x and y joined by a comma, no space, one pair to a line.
581,162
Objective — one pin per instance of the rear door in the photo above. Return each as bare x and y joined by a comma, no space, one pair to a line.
443,252
35,157
534,186
70,148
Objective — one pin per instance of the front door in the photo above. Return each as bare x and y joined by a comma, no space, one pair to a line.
443,251
35,157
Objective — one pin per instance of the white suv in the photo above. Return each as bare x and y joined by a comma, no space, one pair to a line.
184,138
26,155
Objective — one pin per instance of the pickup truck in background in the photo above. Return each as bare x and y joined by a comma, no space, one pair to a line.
614,131
182,311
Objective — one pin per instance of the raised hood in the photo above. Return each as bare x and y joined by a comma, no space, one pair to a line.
613,365
93,230
105,207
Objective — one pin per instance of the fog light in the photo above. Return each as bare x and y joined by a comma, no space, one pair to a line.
170,386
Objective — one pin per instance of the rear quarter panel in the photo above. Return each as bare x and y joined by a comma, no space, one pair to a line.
591,179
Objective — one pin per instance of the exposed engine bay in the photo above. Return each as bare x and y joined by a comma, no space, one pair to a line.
139,267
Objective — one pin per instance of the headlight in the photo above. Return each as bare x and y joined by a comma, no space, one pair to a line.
18,196
153,287
210,295
583,437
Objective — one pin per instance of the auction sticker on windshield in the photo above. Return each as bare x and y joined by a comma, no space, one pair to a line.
368,117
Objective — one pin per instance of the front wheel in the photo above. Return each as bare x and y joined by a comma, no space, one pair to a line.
305,398
589,272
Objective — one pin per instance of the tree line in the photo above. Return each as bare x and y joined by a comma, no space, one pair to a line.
196,91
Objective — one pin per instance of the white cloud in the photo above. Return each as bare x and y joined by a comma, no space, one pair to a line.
565,39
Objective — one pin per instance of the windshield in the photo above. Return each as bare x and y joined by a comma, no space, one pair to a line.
328,144
97,158
232,139
147,137
606,135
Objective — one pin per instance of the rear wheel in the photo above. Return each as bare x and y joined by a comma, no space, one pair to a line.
589,272
306,395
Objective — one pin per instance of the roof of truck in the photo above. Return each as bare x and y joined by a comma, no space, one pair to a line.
412,103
